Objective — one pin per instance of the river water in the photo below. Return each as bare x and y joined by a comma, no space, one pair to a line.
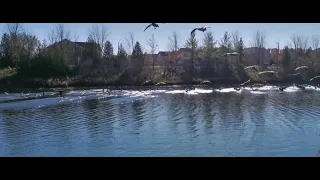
167,122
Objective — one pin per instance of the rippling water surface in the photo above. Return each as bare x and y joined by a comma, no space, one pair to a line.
171,122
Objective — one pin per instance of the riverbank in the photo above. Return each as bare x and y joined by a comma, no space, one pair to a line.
10,81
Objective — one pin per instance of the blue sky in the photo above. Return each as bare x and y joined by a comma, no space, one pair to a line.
275,31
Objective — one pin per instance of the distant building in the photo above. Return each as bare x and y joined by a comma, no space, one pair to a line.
162,57
252,56
78,53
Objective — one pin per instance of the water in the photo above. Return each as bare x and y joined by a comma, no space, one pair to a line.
171,122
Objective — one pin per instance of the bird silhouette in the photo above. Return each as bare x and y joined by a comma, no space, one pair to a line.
282,88
155,25
203,29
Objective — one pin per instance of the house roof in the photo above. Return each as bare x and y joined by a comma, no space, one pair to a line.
80,44
185,49
163,53
84,44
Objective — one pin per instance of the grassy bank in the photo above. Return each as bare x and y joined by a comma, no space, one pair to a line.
9,78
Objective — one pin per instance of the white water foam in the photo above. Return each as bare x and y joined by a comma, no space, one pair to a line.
195,91
258,92
247,88
227,90
266,88
203,90
176,92
291,89
310,87
191,92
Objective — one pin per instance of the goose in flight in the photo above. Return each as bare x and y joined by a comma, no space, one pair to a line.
314,78
155,25
203,29
282,88
301,67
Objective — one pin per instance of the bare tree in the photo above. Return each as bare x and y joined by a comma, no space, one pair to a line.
300,42
42,45
235,39
58,33
315,42
295,41
130,42
152,44
173,45
315,46
289,44
62,32
99,33
17,44
51,36
300,45
75,37
259,41
304,43
14,28
225,41
28,44
23,42
174,42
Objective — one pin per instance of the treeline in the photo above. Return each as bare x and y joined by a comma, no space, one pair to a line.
30,57
24,52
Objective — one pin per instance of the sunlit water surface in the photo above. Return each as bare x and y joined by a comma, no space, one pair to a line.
167,122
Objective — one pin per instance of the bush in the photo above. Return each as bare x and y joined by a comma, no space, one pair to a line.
45,65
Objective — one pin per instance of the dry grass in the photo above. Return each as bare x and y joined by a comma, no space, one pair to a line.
7,73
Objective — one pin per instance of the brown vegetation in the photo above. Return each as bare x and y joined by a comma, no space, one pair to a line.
25,61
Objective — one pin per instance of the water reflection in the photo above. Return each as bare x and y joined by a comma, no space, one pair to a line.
208,115
174,113
138,114
190,106
203,124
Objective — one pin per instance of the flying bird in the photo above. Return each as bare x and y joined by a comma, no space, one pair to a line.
203,29
155,25
205,82
268,73
314,78
282,88
301,67
251,67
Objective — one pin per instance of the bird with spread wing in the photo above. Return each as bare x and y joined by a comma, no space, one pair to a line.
203,29
155,25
